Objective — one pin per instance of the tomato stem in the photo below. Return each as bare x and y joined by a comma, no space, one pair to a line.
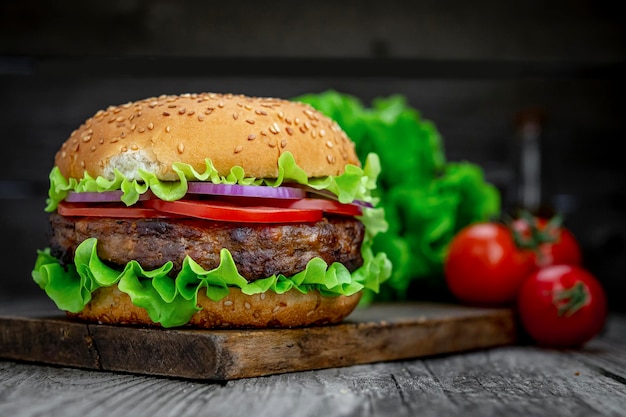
535,236
568,301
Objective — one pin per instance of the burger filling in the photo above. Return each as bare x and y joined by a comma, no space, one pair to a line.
258,250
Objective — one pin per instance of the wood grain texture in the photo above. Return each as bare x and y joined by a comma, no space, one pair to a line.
512,380
516,380
374,334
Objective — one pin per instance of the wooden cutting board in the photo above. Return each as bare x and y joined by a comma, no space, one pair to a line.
381,332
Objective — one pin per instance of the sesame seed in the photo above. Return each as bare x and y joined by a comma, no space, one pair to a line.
93,148
228,303
247,107
123,149
238,149
200,117
208,111
275,309
134,147
281,115
120,119
329,144
220,104
86,138
289,130
302,129
296,121
251,136
172,106
322,132
153,104
283,143
180,148
261,112
274,128
313,134
262,296
168,129
141,130
271,144
330,159
165,113
182,110
235,116
150,125
82,164
63,154
250,121
113,140
247,305
263,133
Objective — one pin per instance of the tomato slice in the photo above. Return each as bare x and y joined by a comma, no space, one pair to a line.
322,204
327,206
109,210
220,211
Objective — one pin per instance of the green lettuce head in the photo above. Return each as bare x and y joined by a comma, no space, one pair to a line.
170,294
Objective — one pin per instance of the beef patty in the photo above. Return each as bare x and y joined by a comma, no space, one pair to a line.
259,250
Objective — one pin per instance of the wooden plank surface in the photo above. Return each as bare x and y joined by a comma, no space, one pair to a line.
378,333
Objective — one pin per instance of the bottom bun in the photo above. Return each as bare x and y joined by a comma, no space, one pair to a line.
236,310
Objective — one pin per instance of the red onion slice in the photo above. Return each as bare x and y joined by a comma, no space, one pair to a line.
237,190
114,196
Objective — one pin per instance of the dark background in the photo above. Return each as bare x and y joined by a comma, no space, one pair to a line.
470,67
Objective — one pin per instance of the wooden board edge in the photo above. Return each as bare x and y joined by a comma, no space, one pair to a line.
233,354
361,343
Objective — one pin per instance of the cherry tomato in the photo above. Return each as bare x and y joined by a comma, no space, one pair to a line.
484,265
553,243
562,306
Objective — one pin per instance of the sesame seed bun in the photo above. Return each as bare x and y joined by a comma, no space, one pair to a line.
236,310
231,130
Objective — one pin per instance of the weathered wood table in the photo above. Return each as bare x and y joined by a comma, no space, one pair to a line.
503,380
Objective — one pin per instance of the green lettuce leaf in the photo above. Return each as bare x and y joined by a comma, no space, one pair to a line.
354,183
172,301
426,199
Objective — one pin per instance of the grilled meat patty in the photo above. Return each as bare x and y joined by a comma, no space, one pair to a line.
259,250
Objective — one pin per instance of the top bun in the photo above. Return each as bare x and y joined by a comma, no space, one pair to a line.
230,130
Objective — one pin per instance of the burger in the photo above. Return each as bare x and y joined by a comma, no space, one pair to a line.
211,211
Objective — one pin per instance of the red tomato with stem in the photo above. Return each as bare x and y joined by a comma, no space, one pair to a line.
484,265
552,243
562,306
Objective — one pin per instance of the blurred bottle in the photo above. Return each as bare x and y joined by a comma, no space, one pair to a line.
526,160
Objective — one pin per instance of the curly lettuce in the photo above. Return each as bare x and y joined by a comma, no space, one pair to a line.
427,199
354,184
171,301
